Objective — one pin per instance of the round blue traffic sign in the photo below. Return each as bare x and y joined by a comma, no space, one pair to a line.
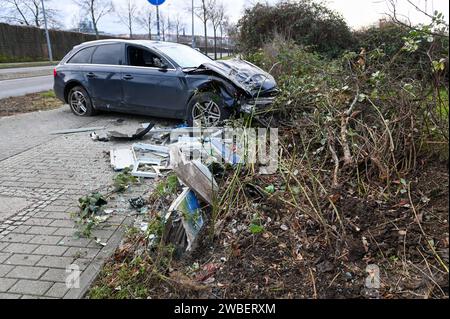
156,2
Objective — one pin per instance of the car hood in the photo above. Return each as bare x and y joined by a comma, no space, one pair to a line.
244,74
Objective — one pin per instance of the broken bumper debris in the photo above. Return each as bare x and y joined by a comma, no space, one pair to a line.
258,104
189,153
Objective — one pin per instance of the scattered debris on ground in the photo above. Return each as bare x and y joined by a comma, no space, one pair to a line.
121,136
76,130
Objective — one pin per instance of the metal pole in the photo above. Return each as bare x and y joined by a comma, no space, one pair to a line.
49,45
221,40
193,36
157,23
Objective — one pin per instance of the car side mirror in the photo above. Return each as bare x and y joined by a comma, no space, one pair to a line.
160,64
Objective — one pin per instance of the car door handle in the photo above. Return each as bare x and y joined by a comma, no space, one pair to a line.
90,75
127,77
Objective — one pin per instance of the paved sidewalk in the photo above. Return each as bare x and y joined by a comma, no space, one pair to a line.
41,178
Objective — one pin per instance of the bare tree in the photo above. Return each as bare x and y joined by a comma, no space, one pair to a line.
202,12
404,20
179,26
127,15
216,15
169,27
29,12
224,25
96,9
145,20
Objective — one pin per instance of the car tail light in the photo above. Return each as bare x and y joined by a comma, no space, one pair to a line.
55,73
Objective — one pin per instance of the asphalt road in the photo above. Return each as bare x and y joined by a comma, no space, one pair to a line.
24,86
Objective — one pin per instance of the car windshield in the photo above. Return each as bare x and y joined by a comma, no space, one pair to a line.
184,56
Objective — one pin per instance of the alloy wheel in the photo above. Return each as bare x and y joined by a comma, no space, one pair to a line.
78,103
206,114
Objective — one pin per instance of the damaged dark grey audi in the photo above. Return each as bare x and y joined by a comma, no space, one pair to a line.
159,79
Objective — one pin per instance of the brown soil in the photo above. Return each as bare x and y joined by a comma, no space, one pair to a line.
28,103
291,258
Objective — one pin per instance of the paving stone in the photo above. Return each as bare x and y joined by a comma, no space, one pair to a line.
26,272
23,259
46,240
40,215
50,250
4,269
20,248
65,232
38,221
9,296
56,262
3,245
63,223
82,252
41,230
54,208
17,238
58,290
75,242
4,256
9,206
31,287
102,234
57,215
55,275
6,283
29,297
82,263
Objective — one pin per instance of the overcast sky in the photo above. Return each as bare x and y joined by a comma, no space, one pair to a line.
357,13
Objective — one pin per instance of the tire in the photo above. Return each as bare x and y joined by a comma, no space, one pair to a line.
207,109
80,102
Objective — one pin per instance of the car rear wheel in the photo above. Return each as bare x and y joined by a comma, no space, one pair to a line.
207,109
80,102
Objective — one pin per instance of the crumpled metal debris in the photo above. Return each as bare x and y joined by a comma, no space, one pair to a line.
140,133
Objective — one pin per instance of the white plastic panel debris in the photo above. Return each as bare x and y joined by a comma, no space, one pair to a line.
193,174
151,148
122,158
145,169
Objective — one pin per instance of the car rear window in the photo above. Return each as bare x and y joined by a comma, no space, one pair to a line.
83,56
108,54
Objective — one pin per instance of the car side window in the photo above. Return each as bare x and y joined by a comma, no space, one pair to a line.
82,56
144,58
108,54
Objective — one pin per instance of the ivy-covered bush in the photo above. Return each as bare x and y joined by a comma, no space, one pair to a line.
306,23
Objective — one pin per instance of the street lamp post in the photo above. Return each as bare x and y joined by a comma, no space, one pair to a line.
157,23
49,45
157,3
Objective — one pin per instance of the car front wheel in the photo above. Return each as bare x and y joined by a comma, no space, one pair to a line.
207,109
80,103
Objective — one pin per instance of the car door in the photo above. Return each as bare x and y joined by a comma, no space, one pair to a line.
150,89
104,76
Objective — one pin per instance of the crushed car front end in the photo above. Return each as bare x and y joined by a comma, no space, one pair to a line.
256,89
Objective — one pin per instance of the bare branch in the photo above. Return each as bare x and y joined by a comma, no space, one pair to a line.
96,9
